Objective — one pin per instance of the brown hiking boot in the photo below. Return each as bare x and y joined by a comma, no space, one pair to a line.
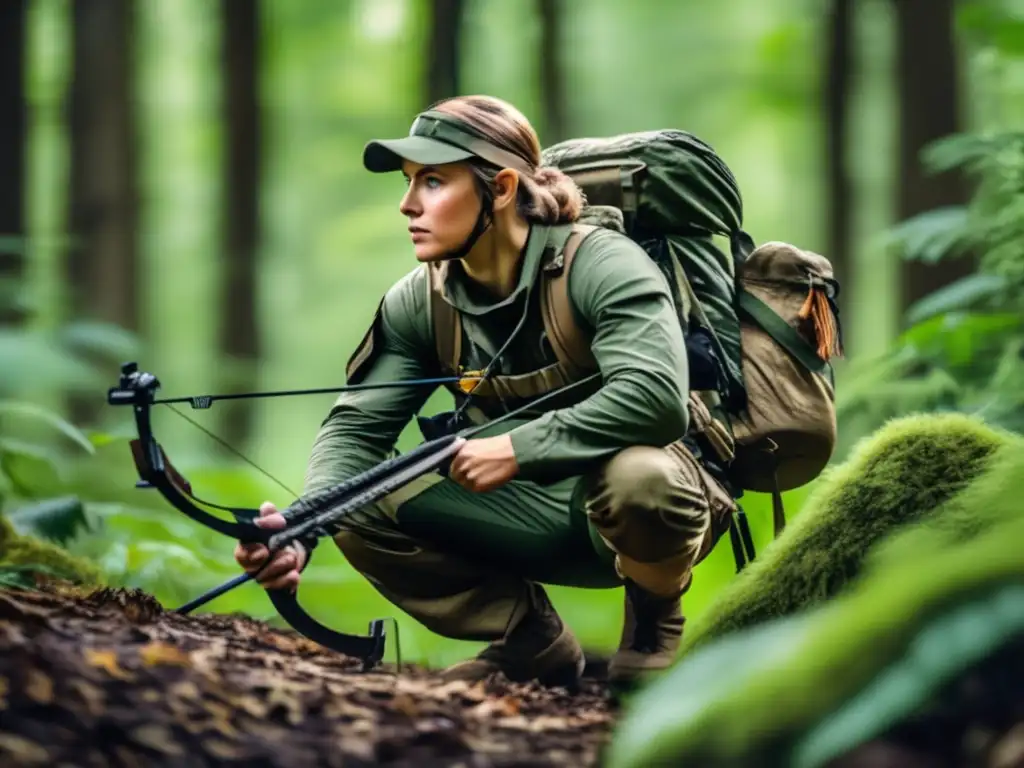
651,633
540,647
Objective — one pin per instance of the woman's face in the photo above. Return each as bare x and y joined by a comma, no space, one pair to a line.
442,205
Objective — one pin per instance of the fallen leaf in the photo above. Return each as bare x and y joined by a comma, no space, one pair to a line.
157,737
106,660
129,758
39,687
477,693
22,751
506,706
221,719
1009,752
92,696
156,653
224,750
406,705
252,706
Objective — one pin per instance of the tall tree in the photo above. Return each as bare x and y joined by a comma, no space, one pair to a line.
552,73
444,49
102,265
836,99
13,115
929,109
239,333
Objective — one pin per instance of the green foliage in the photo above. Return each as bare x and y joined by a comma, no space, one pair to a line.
38,513
70,359
935,598
59,519
995,23
964,346
903,473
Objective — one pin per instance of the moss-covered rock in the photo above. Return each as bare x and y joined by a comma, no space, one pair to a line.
900,475
936,599
28,555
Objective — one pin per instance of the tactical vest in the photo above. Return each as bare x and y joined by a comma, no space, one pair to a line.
571,347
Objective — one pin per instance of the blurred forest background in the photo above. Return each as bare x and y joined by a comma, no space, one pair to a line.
181,184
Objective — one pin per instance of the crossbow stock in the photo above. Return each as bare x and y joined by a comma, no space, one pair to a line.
307,519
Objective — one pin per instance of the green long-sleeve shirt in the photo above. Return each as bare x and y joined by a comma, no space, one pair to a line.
617,292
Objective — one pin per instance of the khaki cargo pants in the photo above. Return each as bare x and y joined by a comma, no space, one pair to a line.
459,562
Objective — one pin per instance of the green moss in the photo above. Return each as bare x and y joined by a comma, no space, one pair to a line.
26,551
995,497
902,474
6,533
817,662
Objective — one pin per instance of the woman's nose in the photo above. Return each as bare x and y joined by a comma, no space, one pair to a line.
408,205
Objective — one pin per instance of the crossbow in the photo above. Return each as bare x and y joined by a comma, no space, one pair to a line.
309,517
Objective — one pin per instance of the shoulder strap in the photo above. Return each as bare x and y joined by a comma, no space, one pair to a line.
447,326
568,341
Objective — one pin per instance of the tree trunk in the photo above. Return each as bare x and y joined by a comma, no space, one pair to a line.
839,205
102,264
927,75
13,120
239,332
552,73
443,49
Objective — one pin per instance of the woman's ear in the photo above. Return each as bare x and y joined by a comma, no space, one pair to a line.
506,186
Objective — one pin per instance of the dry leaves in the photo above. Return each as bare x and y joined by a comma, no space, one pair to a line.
131,684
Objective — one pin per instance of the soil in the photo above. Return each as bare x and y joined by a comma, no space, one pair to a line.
110,678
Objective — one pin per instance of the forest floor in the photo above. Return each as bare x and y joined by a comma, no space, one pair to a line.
112,679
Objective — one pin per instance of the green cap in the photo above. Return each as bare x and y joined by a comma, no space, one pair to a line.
434,139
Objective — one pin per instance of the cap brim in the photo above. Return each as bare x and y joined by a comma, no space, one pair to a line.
387,155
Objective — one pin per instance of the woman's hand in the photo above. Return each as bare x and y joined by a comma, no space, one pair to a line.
485,463
283,571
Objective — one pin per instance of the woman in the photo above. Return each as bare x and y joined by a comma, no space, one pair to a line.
596,491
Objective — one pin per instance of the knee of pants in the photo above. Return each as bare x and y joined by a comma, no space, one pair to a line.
649,503
444,593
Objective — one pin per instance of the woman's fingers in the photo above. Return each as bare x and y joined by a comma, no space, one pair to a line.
251,556
269,517
282,571
289,581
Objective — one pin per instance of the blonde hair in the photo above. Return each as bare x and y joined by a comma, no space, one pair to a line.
547,196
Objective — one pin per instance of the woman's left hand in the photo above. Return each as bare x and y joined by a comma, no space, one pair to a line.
485,463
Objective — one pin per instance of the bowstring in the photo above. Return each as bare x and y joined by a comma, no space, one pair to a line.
225,444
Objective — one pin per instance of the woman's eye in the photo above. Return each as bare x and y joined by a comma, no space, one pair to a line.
433,182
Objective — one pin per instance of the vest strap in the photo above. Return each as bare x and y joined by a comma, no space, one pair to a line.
447,324
570,345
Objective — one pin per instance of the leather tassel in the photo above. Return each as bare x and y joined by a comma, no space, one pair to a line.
818,309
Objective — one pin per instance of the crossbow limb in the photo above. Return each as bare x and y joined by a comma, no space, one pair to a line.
138,389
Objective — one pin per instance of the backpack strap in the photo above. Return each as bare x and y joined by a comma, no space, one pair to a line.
568,341
447,324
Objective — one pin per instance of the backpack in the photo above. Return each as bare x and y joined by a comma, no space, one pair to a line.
760,323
